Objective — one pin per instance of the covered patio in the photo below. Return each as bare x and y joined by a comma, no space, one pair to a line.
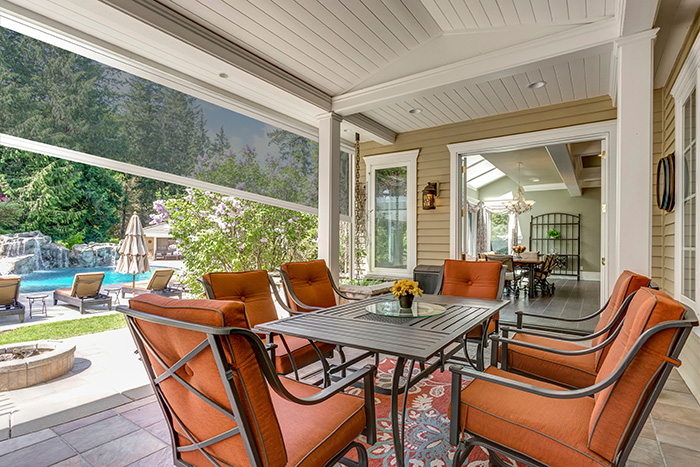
422,124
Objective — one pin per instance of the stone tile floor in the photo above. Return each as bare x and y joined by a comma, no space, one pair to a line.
135,434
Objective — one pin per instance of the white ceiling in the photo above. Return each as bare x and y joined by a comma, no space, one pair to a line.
289,61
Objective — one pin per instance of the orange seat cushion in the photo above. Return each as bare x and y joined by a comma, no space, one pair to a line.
249,287
554,431
617,405
471,279
302,352
64,291
576,371
310,283
313,434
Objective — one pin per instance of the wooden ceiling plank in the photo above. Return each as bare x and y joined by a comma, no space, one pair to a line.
409,21
592,69
543,15
455,113
595,8
605,64
515,92
610,6
552,87
479,13
577,9
417,9
389,19
564,82
451,15
494,13
463,106
560,11
368,17
465,15
503,95
437,14
510,13
467,96
522,81
492,97
525,12
541,93
435,109
578,78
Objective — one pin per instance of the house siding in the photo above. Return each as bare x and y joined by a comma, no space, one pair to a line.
433,232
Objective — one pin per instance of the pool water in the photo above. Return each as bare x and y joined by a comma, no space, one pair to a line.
42,281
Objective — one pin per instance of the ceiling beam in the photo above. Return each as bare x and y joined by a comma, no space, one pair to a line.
382,134
636,18
565,166
566,42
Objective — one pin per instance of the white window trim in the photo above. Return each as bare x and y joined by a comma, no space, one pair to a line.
383,161
687,81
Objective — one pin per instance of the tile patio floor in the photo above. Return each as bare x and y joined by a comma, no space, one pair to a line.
108,417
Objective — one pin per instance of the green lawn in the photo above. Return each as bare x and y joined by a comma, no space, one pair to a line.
63,329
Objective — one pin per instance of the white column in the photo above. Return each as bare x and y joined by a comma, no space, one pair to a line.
635,84
329,191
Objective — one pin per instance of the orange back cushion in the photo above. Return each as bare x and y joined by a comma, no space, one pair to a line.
171,344
471,279
310,283
251,288
616,405
626,284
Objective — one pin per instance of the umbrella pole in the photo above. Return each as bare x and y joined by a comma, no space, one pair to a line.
133,285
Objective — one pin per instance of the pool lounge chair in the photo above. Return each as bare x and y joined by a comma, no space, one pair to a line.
85,292
9,292
158,284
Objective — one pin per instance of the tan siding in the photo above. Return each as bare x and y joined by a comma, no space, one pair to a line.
690,370
434,158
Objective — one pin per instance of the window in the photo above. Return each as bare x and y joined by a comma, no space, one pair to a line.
392,213
499,233
689,198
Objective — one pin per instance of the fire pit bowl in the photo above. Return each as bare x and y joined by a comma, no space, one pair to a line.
47,360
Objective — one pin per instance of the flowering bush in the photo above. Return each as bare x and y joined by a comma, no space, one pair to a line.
219,233
405,287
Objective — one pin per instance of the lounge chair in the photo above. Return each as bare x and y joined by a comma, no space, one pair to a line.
85,292
9,293
158,284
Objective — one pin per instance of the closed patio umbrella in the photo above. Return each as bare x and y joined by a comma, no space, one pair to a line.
133,254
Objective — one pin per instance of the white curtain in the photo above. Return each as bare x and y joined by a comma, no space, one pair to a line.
483,225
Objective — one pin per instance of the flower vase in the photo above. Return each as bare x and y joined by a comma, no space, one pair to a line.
406,301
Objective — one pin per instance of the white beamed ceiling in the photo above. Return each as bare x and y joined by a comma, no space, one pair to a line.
455,60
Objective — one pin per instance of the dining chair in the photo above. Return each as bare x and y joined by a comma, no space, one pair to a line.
513,276
540,423
530,255
474,279
255,289
566,359
223,402
543,272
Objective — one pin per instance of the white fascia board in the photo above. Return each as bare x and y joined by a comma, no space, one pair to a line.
382,134
545,187
562,161
567,42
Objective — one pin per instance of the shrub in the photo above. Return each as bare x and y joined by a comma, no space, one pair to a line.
219,233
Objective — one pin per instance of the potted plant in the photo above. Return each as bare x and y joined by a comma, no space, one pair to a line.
405,290
554,233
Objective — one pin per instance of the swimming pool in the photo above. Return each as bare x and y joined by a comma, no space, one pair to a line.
41,281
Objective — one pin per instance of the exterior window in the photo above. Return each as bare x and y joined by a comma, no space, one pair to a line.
499,233
392,213
689,197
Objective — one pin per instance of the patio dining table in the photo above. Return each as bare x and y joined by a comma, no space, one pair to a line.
530,265
427,341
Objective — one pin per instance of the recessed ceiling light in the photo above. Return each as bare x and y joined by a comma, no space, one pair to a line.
535,179
223,75
536,85
346,131
415,111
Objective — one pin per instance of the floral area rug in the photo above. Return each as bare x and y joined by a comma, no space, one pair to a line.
427,442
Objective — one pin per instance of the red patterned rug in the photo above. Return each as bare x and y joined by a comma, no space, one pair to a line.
427,423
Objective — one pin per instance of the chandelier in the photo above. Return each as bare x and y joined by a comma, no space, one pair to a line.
519,204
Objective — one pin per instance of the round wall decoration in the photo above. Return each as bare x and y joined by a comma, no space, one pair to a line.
666,183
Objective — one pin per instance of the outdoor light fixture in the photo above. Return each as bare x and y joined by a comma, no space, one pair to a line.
430,192
223,75
415,111
537,85
519,204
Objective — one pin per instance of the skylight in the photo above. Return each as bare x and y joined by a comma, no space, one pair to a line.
481,172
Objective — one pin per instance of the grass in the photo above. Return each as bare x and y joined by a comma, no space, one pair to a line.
63,329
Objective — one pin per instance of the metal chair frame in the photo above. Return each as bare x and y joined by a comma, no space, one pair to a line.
209,292
216,339
513,286
683,328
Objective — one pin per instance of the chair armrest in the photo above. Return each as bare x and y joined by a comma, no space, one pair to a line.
553,335
337,290
506,341
367,373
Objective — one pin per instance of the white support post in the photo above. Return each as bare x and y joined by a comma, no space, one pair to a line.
329,191
635,62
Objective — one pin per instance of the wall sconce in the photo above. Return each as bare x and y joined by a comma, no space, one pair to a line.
430,192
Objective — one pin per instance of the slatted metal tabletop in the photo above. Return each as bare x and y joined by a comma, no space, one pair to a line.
412,338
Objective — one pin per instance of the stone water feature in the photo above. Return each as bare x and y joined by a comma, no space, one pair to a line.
26,252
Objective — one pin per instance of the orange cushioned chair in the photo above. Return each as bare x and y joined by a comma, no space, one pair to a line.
223,401
539,423
253,289
309,286
557,358
474,279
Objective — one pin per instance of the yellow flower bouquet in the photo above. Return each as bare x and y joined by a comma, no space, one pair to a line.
405,290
